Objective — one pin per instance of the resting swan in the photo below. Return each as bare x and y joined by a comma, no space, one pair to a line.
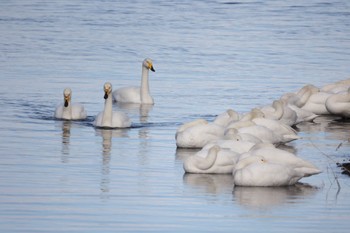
68,110
269,166
137,95
214,161
108,118
198,133
339,104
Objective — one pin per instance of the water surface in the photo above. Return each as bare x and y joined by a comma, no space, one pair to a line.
58,176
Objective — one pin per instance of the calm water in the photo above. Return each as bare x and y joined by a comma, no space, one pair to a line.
209,56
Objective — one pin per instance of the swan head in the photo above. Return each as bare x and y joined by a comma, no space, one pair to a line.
67,94
148,64
107,87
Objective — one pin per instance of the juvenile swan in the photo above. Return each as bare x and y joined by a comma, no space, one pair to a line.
137,95
68,110
108,118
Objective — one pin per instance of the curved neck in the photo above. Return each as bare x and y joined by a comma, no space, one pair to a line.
107,112
145,93
279,109
209,160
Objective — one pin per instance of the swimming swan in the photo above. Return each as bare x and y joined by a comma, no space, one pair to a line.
137,95
211,161
68,110
108,118
269,166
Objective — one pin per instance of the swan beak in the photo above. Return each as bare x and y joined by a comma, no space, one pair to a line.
66,100
105,96
152,69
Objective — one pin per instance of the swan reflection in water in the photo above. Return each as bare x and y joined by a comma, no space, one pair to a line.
142,110
107,135
269,197
262,198
210,183
66,127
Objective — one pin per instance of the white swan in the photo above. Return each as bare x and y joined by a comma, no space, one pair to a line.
316,102
262,132
138,95
304,94
258,117
339,104
269,166
238,146
226,117
241,137
337,87
293,102
108,118
197,134
68,110
274,111
211,161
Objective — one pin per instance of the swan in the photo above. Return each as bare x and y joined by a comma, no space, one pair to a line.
68,110
211,161
263,133
289,116
108,118
316,102
291,99
226,117
269,166
229,142
274,111
138,95
233,134
339,104
337,87
198,133
258,117
304,94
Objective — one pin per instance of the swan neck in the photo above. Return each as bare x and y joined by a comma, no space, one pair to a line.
209,160
107,112
67,111
145,93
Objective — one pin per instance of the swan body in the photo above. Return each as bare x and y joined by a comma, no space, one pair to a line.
256,116
274,111
317,103
269,166
339,104
214,160
337,87
265,134
304,94
138,95
197,134
68,110
226,117
233,134
233,145
109,118
292,100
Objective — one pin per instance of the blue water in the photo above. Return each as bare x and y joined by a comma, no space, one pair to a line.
209,56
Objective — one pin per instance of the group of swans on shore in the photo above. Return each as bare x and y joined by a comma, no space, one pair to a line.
245,145
109,118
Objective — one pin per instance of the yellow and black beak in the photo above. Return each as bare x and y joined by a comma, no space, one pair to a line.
152,69
106,95
66,101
